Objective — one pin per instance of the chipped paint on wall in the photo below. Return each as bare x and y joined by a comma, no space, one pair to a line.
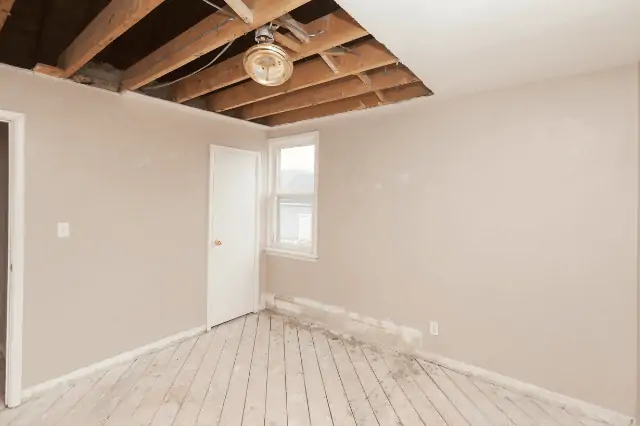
351,324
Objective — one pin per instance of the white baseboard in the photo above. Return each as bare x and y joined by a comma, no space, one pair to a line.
408,340
612,417
110,362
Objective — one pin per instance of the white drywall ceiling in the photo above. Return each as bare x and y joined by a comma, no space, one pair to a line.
463,46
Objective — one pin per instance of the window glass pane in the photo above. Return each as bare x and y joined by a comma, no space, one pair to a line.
296,170
295,222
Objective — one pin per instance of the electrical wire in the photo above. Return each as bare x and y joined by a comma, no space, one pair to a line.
231,18
159,86
219,8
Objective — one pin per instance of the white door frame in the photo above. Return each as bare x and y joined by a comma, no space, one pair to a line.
211,236
15,264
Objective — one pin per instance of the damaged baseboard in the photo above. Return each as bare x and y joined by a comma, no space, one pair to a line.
341,322
409,340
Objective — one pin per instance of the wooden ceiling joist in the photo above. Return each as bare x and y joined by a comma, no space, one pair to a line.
111,22
327,60
48,70
364,56
5,11
207,35
377,80
288,42
241,9
369,100
332,30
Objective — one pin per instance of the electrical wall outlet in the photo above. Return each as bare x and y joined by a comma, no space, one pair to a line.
434,329
63,230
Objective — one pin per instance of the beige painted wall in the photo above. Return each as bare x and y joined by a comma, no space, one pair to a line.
4,214
510,217
130,175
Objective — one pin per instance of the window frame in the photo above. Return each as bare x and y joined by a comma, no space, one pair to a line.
273,246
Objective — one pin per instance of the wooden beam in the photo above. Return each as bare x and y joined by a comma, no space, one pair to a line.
338,29
366,55
367,82
5,11
332,66
212,32
347,87
296,28
369,100
288,42
48,70
331,108
111,22
241,9
331,30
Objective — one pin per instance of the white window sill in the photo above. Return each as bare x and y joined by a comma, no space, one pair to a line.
290,254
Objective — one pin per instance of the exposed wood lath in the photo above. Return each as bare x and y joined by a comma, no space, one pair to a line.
193,51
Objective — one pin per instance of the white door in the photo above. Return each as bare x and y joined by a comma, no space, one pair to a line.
233,240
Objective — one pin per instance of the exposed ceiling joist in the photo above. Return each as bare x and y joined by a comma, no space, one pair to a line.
332,30
369,100
111,22
241,9
5,11
379,79
288,42
48,70
296,28
365,56
207,35
327,60
331,108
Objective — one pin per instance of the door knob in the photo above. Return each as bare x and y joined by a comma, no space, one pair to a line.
217,242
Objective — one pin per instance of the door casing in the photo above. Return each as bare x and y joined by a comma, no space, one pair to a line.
15,264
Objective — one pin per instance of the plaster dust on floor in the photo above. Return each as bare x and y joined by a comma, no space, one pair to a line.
336,323
344,323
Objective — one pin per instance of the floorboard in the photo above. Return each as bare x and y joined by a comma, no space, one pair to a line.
193,401
214,401
515,413
360,406
255,403
385,413
276,410
428,413
269,370
235,400
319,412
401,404
297,404
341,412
173,399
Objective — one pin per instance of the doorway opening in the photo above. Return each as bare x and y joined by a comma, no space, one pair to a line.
4,246
12,126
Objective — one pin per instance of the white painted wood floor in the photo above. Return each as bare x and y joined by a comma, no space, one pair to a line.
268,370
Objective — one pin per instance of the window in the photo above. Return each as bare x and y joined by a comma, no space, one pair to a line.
293,173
